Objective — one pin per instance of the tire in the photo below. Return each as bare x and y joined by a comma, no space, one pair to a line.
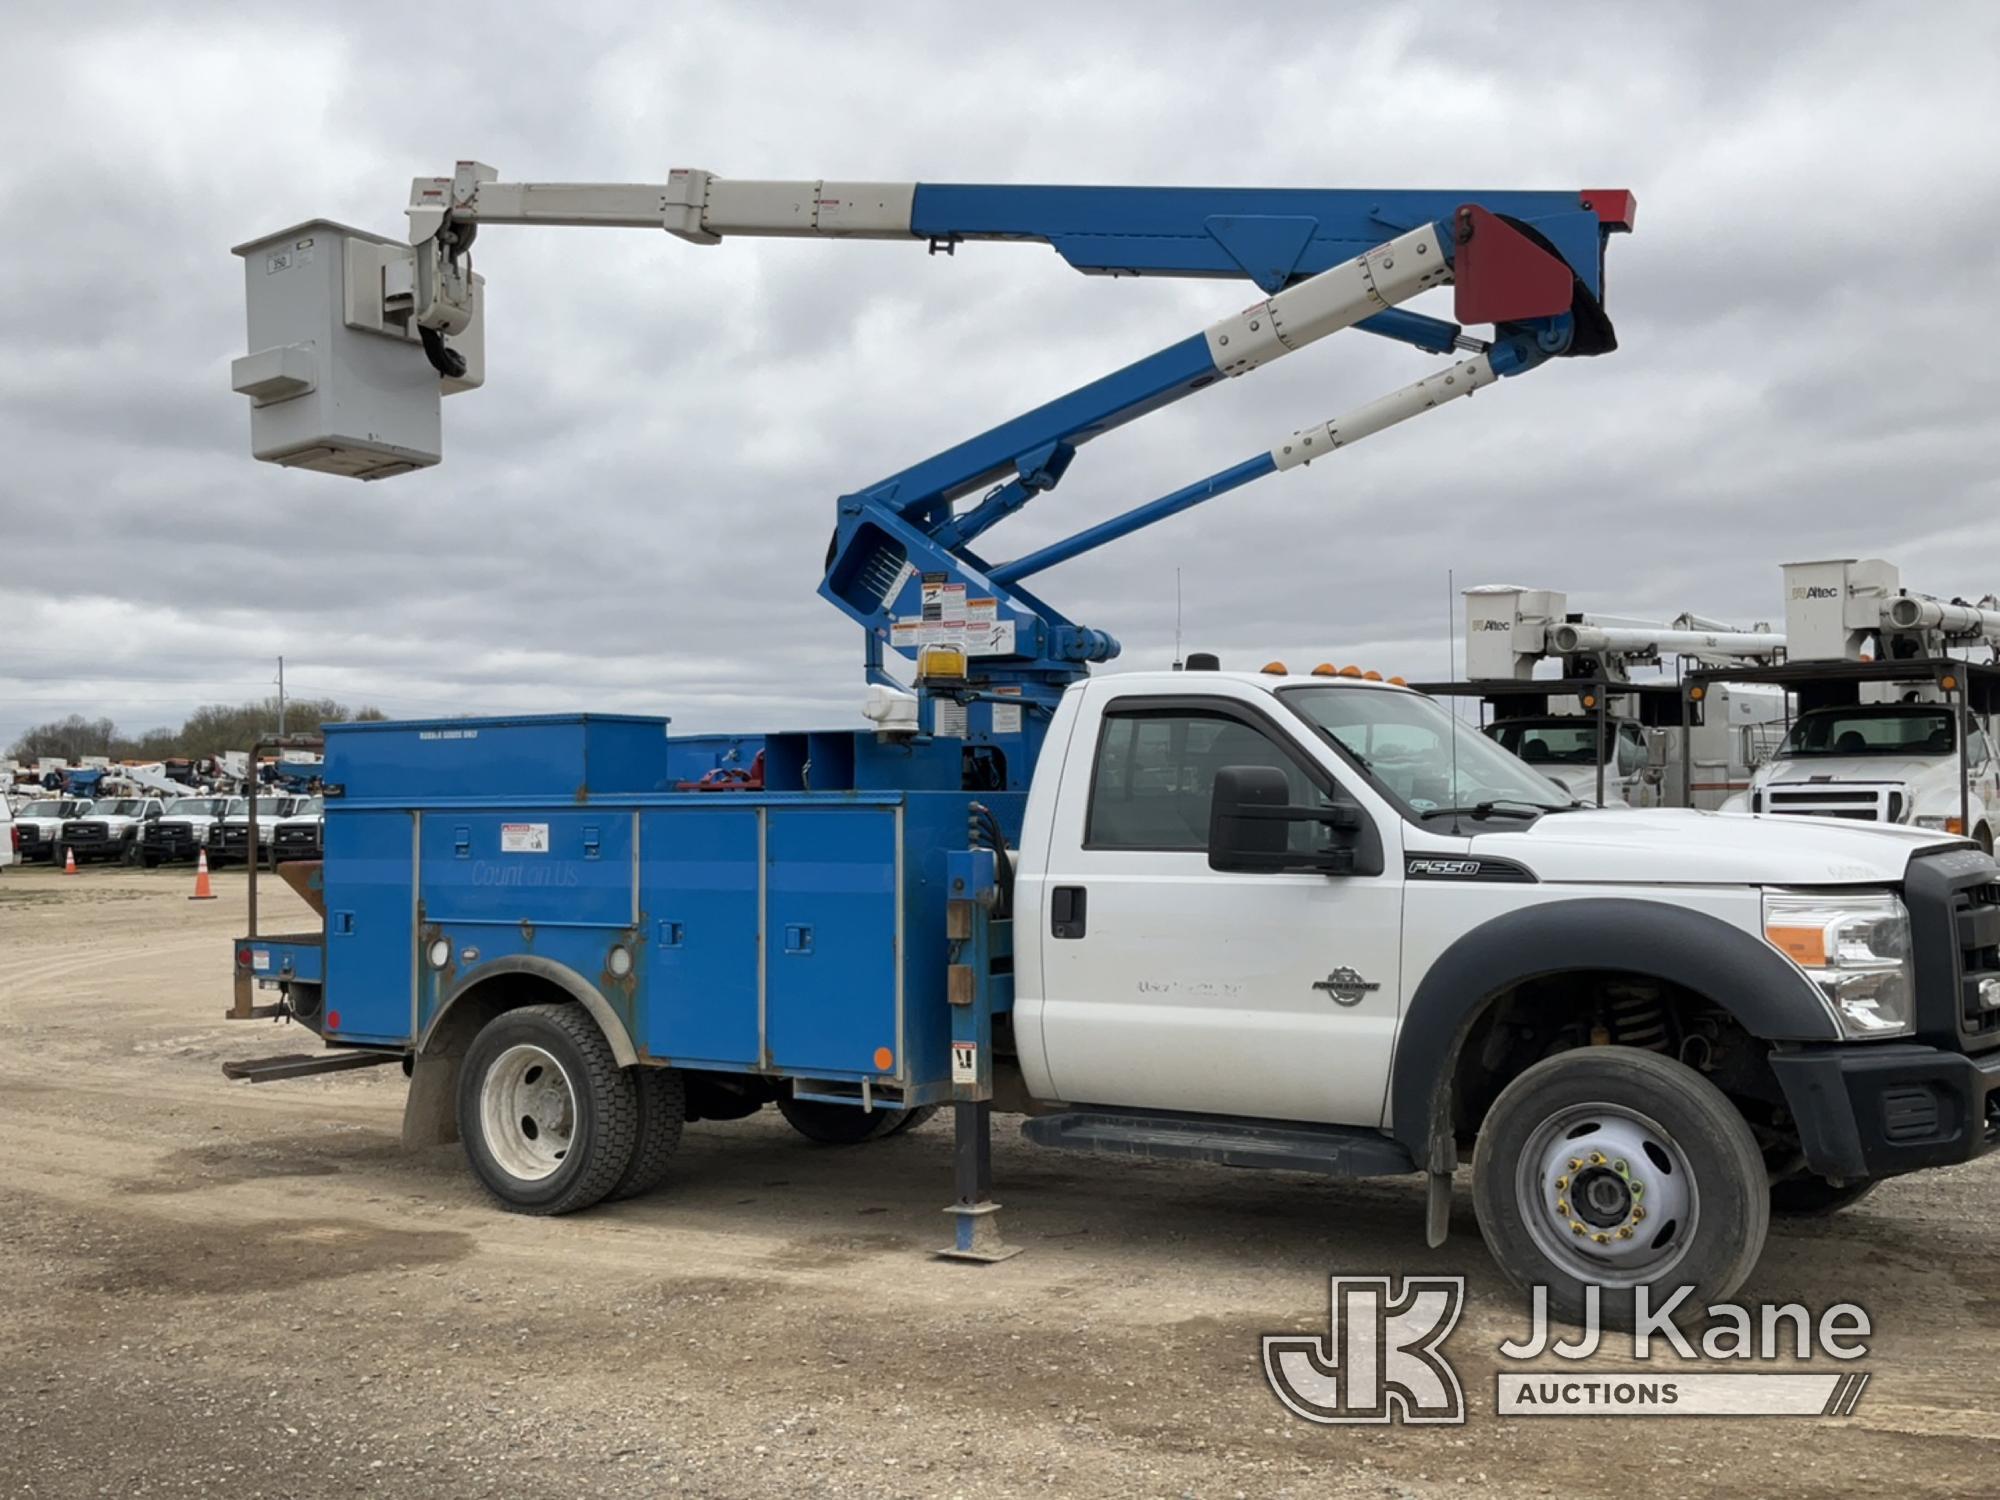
128,854
542,1144
843,1124
662,1099
912,1120
1694,1170
1810,1197
150,861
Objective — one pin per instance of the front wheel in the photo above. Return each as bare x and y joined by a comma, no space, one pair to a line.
1623,1169
548,1118
845,1124
1809,1197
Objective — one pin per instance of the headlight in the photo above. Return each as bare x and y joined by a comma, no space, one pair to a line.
1856,948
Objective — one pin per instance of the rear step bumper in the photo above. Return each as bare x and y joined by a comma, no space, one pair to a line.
1330,1150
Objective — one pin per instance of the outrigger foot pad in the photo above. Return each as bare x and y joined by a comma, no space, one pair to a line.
978,1237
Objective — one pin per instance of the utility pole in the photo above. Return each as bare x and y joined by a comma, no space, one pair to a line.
281,697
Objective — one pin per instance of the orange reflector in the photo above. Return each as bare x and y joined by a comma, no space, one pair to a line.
1324,669
1276,669
1697,693
1350,671
1954,825
1372,676
1949,683
884,1059
1590,700
1804,946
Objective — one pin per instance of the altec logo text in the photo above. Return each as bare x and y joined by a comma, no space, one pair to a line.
1383,1359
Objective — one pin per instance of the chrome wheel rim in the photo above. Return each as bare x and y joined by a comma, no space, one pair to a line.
527,1112
1607,1195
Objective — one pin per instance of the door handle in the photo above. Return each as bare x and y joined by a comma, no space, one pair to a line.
1067,905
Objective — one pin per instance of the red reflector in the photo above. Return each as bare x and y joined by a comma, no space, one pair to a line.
333,1020
243,957
1502,275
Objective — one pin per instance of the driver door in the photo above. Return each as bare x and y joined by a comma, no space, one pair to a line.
1168,985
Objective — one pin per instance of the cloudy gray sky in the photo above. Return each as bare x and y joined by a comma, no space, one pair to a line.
631,515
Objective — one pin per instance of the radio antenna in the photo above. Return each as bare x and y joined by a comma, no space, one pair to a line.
1451,674
1177,619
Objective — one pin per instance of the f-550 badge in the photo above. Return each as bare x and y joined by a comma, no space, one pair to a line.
1346,986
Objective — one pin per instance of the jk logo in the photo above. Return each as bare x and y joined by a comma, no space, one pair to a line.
1380,1360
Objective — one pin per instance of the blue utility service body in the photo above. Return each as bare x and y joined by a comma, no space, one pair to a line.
785,930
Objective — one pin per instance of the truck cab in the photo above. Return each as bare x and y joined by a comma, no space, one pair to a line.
112,829
40,823
1882,763
231,837
1564,749
183,830
300,834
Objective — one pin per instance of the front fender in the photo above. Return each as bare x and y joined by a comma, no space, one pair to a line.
1727,966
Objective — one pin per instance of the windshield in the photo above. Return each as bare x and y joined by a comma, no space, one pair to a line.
1405,743
44,810
194,807
1884,729
122,807
309,807
1560,742
267,807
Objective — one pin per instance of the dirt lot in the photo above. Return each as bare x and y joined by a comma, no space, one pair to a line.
218,1289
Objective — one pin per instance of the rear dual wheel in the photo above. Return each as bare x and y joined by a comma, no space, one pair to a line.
552,1124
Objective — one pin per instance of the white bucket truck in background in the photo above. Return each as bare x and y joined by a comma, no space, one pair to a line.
1890,726
1591,728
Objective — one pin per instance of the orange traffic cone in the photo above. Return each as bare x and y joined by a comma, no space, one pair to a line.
69,860
201,890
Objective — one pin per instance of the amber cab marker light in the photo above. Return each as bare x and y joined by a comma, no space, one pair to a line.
1326,669
1275,669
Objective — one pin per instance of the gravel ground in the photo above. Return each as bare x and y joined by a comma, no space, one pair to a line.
216,1289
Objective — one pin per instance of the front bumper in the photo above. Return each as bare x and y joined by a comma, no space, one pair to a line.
170,842
1882,1109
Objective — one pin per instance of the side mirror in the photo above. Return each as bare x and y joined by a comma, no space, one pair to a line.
1656,749
1250,819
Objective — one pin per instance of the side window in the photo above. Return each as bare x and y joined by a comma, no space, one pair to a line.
1155,777
1631,750
1977,750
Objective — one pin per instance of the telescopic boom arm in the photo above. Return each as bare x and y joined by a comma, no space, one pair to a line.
1531,264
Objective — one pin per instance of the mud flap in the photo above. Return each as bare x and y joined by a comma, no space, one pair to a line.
1437,1208
430,1115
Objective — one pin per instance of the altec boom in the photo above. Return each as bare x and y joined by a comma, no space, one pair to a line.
902,563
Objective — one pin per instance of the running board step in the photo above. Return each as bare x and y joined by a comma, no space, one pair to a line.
304,1065
1330,1150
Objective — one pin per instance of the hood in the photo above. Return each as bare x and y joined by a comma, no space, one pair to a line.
1893,768
1677,846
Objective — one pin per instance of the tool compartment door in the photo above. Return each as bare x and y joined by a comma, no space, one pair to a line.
371,924
698,882
833,942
